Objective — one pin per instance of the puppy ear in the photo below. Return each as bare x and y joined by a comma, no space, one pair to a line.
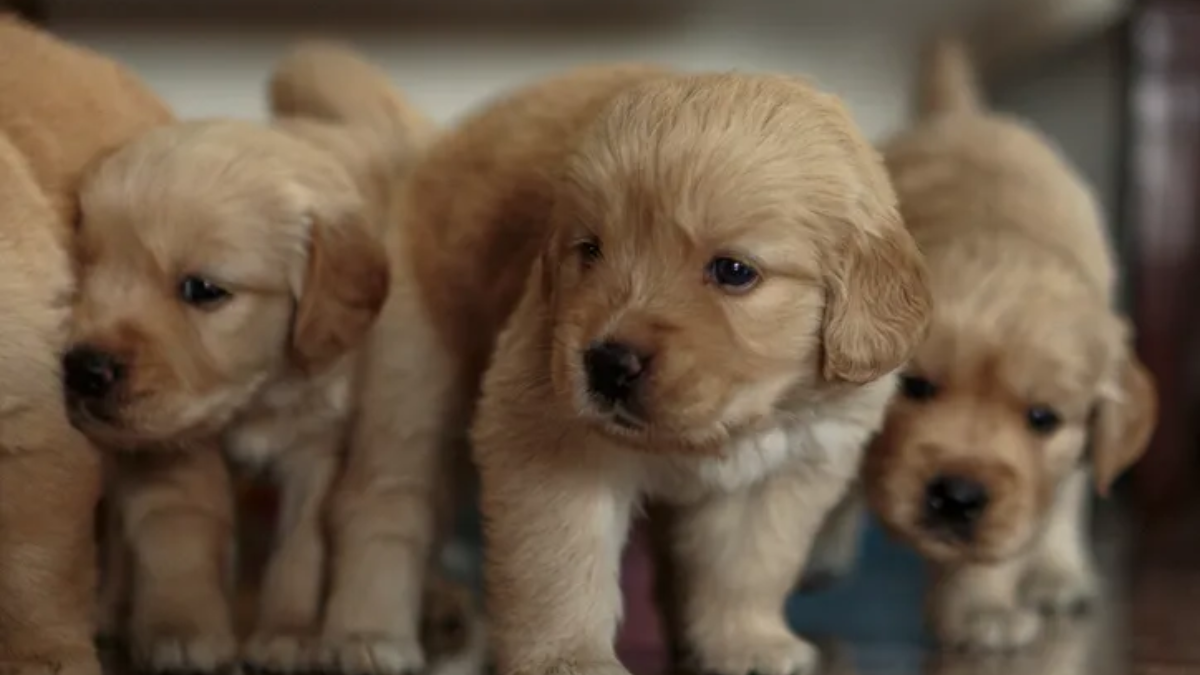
1124,423
878,305
344,288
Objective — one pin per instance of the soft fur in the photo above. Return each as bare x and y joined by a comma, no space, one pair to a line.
1024,290
284,374
757,403
62,106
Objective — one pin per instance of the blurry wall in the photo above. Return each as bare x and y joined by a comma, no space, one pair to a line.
210,58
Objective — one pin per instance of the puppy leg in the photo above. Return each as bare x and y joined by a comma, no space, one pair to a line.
554,536
976,608
290,601
836,548
384,509
47,581
177,515
1061,577
741,555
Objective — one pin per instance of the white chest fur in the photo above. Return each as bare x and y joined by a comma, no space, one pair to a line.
289,415
827,440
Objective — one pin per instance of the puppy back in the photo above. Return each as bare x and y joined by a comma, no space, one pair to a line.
328,81
947,80
64,105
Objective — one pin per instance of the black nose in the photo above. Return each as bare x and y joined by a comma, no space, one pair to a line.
613,370
90,373
955,503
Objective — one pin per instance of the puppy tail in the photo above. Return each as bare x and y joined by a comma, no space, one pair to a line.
947,80
331,82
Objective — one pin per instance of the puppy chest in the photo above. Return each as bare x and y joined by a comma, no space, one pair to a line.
831,449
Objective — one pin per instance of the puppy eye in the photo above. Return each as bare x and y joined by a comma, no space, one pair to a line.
200,292
1042,419
589,251
732,274
917,388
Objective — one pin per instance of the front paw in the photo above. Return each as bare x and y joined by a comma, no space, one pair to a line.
371,654
279,653
1058,590
53,664
776,653
990,628
180,653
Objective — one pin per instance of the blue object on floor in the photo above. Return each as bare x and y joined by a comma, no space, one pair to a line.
881,602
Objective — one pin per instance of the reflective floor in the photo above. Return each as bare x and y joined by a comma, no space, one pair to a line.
871,624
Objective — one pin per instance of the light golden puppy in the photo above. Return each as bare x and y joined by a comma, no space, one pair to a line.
62,107
231,274
982,463
691,289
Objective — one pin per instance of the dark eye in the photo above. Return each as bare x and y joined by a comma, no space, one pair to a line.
201,292
1042,419
917,388
589,251
732,274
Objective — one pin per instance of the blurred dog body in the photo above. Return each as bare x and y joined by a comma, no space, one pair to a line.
692,289
982,463
63,106
232,278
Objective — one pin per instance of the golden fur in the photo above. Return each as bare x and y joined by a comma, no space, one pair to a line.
1024,322
758,401
282,373
62,107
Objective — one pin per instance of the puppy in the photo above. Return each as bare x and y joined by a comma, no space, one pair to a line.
62,107
230,275
685,288
1027,382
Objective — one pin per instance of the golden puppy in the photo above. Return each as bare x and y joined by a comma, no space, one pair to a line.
982,462
62,107
691,289
230,275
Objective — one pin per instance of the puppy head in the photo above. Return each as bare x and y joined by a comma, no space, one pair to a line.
996,410
723,246
214,258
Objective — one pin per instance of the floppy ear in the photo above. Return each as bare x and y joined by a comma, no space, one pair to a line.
878,304
344,289
1124,423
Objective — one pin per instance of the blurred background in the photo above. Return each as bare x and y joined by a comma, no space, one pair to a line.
1115,83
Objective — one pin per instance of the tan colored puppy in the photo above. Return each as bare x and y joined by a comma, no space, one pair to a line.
982,462
62,106
230,275
691,289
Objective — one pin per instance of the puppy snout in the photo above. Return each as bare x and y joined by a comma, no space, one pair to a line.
955,504
90,373
613,371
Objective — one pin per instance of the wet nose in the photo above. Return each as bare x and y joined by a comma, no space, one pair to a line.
613,370
955,503
90,373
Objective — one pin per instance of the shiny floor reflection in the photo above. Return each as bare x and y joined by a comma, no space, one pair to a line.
872,624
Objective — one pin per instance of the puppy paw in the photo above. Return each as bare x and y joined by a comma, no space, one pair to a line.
175,653
1059,590
991,629
371,654
776,654
279,652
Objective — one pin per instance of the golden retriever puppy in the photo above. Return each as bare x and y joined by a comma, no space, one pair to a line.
691,289
62,107
983,464
230,275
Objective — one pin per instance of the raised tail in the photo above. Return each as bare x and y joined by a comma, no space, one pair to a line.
947,81
331,82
